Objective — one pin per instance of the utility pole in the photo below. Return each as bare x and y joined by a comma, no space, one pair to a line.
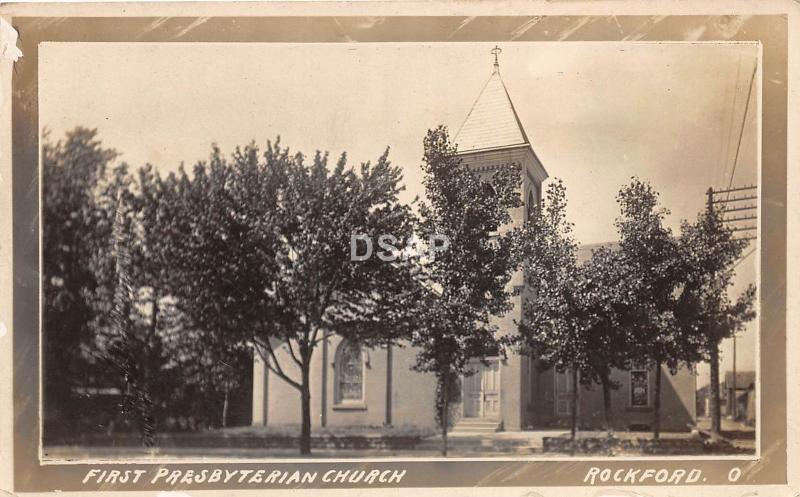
748,214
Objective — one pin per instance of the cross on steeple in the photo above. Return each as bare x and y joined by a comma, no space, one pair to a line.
496,51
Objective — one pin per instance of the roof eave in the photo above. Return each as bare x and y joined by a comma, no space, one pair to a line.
492,149
540,171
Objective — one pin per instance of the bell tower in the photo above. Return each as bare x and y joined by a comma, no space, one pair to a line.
492,136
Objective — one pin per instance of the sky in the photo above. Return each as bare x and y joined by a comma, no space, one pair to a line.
596,113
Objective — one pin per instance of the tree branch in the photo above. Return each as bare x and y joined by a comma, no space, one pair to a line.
291,352
321,339
273,364
324,305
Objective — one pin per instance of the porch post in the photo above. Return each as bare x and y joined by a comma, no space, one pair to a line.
514,385
511,393
324,392
260,385
388,420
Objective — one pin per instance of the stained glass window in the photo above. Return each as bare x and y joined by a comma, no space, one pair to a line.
351,372
639,387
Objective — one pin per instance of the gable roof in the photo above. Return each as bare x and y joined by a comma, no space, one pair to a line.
492,122
584,252
743,379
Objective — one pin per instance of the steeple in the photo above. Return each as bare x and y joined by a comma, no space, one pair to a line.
492,122
496,51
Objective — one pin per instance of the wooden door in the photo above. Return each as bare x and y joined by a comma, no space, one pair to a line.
473,393
482,390
491,389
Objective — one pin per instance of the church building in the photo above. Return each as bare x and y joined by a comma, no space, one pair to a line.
357,386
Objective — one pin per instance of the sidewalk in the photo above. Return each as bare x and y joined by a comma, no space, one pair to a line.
249,443
737,433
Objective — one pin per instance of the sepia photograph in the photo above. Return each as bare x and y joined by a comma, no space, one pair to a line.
408,250
416,248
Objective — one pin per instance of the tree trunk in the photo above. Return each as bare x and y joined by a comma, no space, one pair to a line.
606,383
657,403
305,395
574,412
151,367
445,410
225,404
151,337
714,407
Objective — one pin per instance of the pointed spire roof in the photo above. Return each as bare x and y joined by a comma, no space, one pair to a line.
492,122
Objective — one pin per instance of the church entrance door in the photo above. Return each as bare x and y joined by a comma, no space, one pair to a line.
482,390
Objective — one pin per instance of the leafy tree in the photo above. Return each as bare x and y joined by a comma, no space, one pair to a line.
319,288
610,303
155,205
124,348
576,318
265,256
74,232
110,310
555,323
657,271
222,261
456,318
87,314
710,249
113,201
144,210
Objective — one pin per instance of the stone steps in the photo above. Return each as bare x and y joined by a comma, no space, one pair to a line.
475,426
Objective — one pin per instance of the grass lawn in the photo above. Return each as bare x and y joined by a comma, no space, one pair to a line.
395,441
293,430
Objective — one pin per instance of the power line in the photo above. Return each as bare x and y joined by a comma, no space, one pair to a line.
727,149
745,256
741,129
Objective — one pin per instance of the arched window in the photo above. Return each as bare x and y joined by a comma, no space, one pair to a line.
531,210
349,373
640,387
